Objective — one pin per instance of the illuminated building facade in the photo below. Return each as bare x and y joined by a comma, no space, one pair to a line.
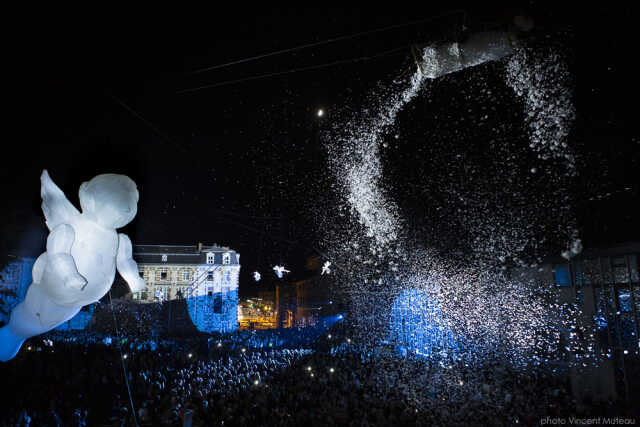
14,282
206,276
258,313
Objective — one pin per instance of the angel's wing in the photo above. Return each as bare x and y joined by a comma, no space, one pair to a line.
56,207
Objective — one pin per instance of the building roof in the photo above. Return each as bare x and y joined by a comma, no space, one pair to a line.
591,253
182,254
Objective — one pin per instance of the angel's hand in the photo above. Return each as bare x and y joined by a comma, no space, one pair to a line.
136,284
126,266
61,267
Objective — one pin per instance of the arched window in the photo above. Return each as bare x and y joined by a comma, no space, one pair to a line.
164,258
226,258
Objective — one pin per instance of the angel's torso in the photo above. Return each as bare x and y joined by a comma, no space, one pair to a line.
94,252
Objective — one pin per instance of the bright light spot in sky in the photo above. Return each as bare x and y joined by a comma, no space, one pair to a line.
320,112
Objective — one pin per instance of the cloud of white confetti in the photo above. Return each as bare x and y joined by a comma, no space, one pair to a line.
491,312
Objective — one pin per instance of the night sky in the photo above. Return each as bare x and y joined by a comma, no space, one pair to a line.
242,164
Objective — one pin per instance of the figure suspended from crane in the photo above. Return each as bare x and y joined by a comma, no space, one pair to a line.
472,48
280,270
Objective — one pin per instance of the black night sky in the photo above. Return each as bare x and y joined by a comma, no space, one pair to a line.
240,164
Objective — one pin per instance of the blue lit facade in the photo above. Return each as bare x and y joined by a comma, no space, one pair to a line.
214,313
417,326
14,282
206,276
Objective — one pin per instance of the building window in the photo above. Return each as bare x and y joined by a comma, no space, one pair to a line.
227,276
210,258
141,272
217,304
209,275
164,258
185,275
561,275
226,258
164,275
624,299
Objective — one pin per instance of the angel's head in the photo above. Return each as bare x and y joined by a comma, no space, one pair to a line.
110,200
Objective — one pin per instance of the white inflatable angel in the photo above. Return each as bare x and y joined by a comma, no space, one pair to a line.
256,276
280,270
325,268
83,252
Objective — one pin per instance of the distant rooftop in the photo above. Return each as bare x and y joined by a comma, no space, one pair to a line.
180,249
621,249
182,254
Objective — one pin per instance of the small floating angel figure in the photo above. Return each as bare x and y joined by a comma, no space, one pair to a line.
280,270
257,276
325,268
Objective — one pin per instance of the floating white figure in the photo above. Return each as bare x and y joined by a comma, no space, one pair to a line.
325,268
83,252
257,276
280,270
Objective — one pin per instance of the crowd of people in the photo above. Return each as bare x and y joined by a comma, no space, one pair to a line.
92,378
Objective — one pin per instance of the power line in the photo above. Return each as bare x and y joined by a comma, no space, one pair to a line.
297,70
225,212
142,119
332,40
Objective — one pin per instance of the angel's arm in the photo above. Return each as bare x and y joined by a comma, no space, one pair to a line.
126,266
61,267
